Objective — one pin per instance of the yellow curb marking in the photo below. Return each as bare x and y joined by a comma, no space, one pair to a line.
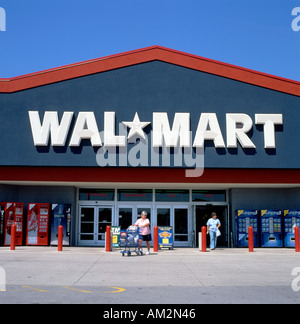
80,290
40,290
116,291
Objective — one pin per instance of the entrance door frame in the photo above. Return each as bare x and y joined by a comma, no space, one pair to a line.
210,204
95,206
134,206
177,205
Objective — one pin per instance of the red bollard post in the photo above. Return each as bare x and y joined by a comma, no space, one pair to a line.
203,239
13,237
108,239
155,239
250,238
297,245
60,238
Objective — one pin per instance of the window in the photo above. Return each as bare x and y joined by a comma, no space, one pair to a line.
135,195
97,194
171,195
209,195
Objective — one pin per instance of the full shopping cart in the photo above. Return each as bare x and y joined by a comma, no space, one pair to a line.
129,240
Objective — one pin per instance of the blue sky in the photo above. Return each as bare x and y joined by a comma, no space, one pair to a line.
43,34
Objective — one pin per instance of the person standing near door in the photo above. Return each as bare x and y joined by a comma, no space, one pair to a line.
213,225
144,230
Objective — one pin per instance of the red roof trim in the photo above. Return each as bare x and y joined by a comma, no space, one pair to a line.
148,175
146,55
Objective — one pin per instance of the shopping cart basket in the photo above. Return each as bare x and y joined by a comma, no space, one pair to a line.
129,240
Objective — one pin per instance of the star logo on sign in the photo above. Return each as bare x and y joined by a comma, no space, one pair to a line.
136,127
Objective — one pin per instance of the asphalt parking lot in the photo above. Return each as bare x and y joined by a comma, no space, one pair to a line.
42,275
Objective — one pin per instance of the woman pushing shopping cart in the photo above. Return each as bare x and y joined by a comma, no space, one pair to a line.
144,230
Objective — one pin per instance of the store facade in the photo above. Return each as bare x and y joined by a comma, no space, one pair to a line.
176,135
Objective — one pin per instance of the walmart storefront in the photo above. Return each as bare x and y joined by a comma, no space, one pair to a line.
154,129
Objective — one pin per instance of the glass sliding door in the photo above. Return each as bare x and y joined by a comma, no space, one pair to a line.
181,222
176,216
128,214
104,219
163,216
87,225
125,217
92,224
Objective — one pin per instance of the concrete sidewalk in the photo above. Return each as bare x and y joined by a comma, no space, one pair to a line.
180,276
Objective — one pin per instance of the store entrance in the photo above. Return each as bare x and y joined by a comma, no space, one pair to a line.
203,214
93,221
128,214
176,216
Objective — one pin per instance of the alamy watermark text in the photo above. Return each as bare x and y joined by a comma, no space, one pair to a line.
296,20
2,20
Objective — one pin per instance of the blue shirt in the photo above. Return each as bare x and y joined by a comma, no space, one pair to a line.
213,224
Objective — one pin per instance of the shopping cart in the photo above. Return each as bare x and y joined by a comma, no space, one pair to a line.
129,240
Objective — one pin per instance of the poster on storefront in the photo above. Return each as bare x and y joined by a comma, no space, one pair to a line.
115,233
165,237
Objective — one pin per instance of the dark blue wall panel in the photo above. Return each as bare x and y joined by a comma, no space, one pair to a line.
146,88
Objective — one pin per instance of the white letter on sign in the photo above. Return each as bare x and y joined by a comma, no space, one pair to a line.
209,129
110,139
269,120
51,125
237,127
86,128
180,131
